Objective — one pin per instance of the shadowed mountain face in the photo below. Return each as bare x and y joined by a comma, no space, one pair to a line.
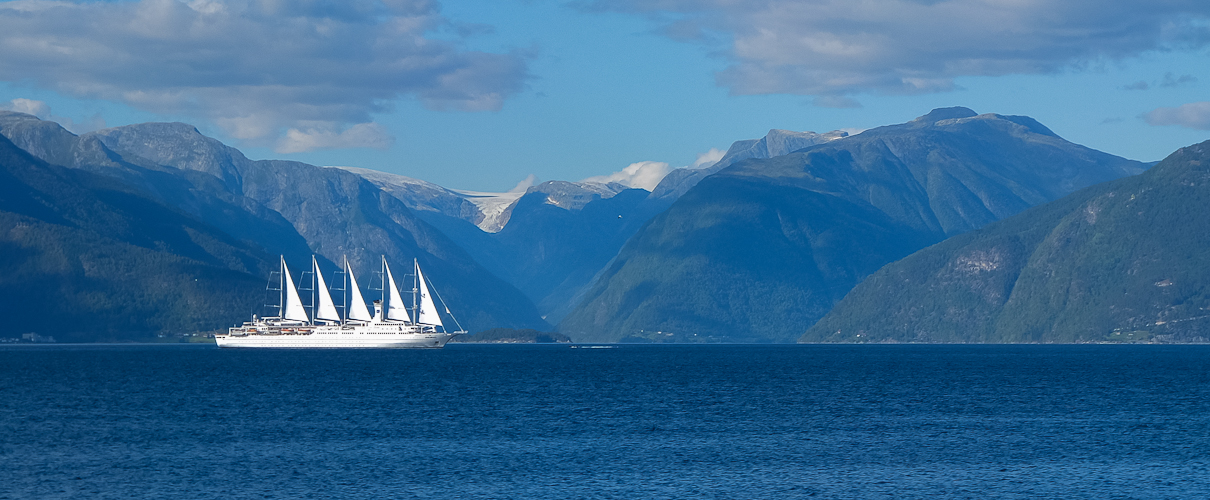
1127,260
554,252
89,258
551,242
557,235
339,214
282,207
764,248
194,192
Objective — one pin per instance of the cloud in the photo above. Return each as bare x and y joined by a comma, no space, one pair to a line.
1194,115
643,175
648,174
42,110
29,106
1171,80
840,47
529,181
256,68
322,136
708,158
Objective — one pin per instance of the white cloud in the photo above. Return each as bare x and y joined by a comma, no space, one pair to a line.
256,68
1194,115
42,110
708,158
29,106
322,136
648,174
529,181
837,47
643,175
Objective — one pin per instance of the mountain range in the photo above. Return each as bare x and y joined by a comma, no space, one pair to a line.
763,248
1126,260
155,228
551,239
278,207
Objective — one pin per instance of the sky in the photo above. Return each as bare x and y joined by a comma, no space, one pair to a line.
481,94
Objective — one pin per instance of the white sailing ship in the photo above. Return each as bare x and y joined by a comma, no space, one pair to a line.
393,325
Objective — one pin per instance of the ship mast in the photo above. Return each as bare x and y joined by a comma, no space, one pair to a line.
384,285
314,305
344,292
281,303
415,290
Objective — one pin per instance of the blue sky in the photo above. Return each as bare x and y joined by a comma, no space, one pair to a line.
478,94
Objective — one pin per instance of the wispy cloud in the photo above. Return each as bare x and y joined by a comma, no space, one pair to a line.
643,175
1171,80
838,47
648,174
1194,115
259,69
708,158
42,110
323,136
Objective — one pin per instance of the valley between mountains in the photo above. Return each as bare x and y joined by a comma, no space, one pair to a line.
953,227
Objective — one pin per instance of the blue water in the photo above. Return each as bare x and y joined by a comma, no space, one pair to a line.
634,422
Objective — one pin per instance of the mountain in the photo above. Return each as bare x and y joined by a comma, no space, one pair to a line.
776,143
1127,260
339,214
560,234
198,193
547,240
87,258
552,239
423,196
763,248
282,207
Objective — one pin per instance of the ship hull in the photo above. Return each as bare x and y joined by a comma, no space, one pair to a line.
336,337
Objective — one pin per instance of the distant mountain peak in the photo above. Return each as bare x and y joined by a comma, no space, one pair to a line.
17,115
777,142
951,113
574,195
180,145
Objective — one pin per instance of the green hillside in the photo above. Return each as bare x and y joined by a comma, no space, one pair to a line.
1127,260
87,258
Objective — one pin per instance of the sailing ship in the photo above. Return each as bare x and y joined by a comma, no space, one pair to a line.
393,324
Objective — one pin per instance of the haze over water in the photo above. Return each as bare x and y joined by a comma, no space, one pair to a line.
636,421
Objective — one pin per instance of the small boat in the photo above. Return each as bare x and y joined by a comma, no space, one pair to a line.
393,325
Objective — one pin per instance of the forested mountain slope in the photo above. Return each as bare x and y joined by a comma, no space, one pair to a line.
1127,260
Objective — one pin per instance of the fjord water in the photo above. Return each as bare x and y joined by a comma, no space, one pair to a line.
635,421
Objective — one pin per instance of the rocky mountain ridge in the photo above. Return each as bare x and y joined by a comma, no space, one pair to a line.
282,207
1123,261
763,248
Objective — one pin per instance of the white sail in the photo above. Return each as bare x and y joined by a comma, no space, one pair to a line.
293,308
327,308
357,310
396,309
428,310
